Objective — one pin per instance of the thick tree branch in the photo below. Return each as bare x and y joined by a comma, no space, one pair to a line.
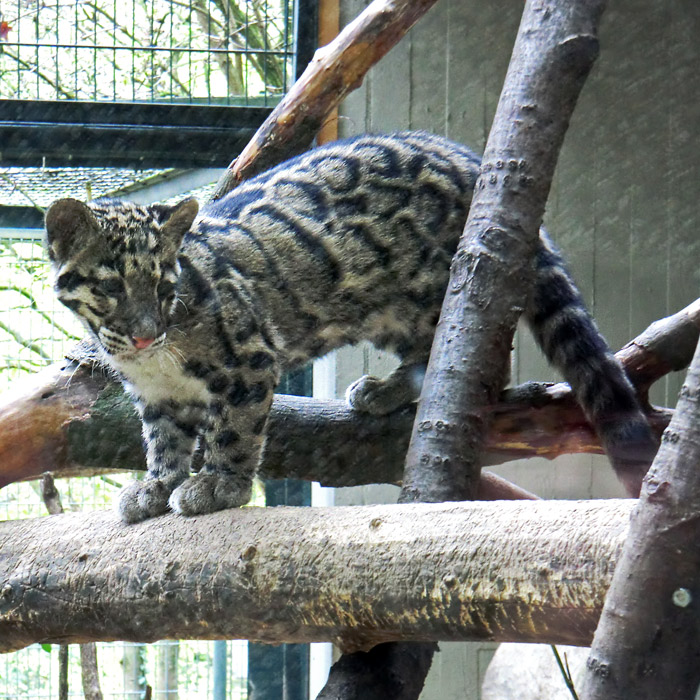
335,71
357,576
647,644
73,421
667,345
492,271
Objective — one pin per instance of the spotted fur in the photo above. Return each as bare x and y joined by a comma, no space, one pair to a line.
200,313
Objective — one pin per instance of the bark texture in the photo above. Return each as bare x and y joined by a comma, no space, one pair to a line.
357,576
336,70
396,671
72,420
492,271
668,345
647,645
89,672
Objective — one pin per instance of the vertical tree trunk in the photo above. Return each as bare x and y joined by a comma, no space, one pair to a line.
492,272
88,652
647,645
390,671
63,672
89,672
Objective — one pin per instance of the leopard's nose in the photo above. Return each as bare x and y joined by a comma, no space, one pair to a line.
141,343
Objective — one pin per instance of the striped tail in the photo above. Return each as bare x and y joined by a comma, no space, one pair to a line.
572,342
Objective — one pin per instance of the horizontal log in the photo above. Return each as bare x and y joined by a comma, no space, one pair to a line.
73,420
533,571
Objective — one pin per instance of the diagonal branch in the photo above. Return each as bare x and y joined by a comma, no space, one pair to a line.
335,71
491,274
492,271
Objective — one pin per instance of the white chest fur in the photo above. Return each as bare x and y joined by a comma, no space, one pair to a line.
156,375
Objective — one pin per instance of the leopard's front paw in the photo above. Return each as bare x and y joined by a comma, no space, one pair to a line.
207,492
378,397
144,499
361,395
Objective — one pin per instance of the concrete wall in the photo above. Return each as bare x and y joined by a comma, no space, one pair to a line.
624,206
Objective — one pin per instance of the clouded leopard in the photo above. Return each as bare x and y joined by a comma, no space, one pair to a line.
200,311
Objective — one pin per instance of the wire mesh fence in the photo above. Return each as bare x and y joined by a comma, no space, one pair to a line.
174,670
189,51
33,329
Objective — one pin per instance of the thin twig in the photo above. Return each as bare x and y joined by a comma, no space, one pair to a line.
565,672
35,307
35,70
63,672
88,652
22,191
52,501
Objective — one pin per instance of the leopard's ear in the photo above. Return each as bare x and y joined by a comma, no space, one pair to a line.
69,224
179,220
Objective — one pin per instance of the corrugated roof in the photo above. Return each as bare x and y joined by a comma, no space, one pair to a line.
27,187
23,187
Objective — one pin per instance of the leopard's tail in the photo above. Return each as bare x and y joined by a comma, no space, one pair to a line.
570,339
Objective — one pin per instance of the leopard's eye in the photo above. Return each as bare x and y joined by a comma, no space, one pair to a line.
111,287
166,289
